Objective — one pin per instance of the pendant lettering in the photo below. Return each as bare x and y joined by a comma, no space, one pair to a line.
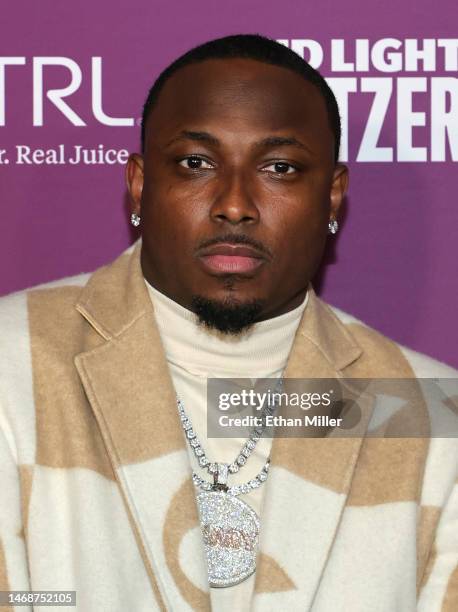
230,530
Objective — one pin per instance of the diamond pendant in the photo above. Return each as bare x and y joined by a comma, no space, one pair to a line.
230,529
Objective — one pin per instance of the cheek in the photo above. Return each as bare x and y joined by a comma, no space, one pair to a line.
169,215
170,197
302,251
299,223
299,230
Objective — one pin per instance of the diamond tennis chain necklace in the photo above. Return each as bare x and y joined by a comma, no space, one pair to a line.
230,527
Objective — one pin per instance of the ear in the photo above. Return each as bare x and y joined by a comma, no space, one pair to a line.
338,189
134,181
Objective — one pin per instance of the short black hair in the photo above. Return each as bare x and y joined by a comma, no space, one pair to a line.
255,47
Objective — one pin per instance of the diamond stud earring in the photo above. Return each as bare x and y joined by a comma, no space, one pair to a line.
135,219
333,227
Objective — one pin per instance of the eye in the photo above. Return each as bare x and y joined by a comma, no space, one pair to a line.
194,162
280,168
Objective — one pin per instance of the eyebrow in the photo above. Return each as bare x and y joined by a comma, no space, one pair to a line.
279,141
196,136
270,141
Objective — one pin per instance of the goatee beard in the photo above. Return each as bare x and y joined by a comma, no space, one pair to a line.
228,316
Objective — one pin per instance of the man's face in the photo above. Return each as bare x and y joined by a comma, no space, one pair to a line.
236,187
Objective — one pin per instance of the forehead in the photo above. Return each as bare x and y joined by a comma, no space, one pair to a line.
243,97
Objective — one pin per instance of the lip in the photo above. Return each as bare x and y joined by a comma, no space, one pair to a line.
231,259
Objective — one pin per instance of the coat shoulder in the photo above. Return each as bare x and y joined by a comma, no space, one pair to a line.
37,321
17,309
42,324
383,357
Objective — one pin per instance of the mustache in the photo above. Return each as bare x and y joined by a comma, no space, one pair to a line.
230,238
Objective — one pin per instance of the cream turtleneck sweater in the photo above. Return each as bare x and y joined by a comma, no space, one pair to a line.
194,354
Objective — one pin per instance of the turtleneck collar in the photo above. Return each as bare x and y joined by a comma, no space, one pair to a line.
262,351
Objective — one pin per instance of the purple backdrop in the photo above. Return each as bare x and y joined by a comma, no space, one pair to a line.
394,262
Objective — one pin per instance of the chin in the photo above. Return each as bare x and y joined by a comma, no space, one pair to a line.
229,313
234,289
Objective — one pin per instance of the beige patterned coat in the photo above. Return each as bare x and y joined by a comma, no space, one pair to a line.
95,482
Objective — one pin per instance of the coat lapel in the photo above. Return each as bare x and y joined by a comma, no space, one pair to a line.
310,477
128,385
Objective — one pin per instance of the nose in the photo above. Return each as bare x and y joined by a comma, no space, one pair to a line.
234,203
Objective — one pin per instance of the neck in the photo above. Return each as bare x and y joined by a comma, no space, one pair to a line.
262,350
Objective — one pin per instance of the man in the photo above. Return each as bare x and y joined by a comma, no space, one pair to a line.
235,194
